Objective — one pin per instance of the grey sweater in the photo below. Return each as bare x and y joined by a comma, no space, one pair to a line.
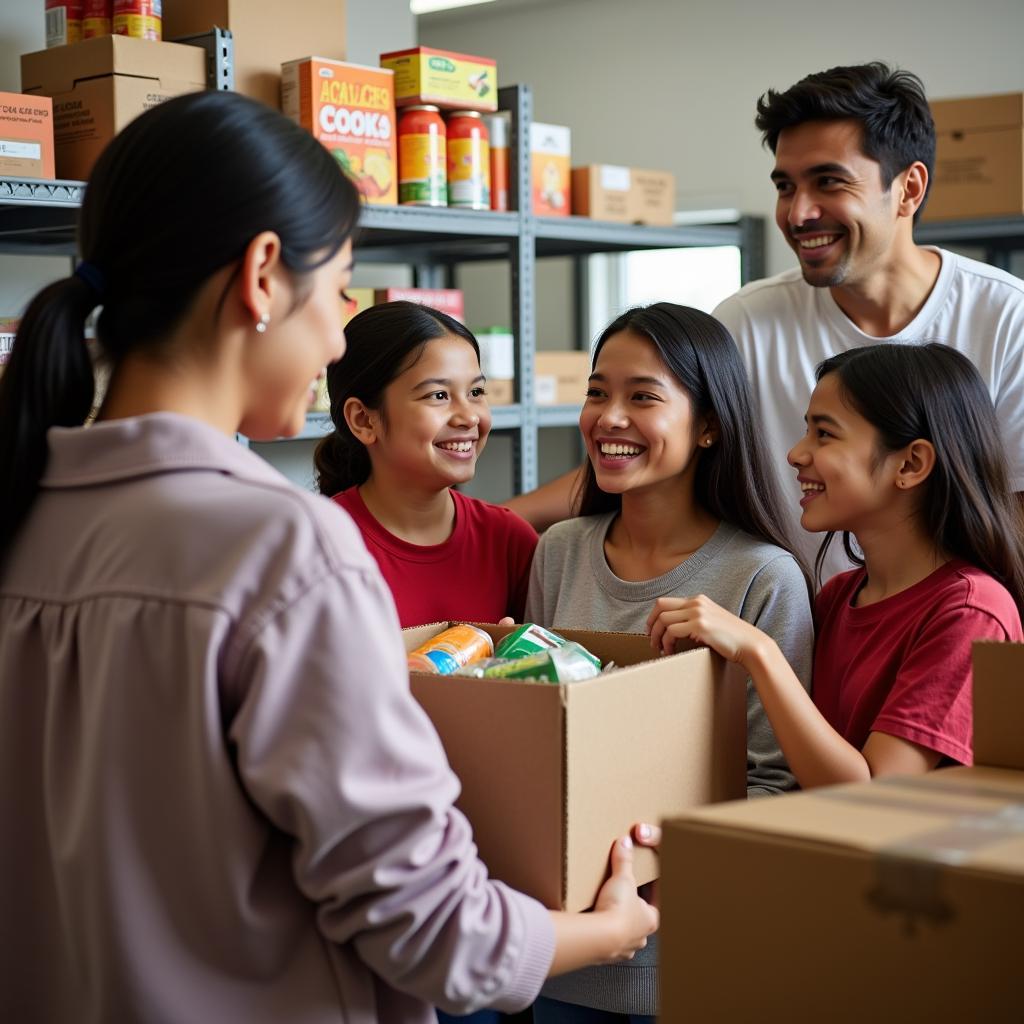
572,586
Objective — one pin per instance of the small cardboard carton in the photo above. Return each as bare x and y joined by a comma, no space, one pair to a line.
450,81
552,773
101,84
26,136
979,157
551,184
501,390
266,35
628,195
351,110
447,300
561,378
898,899
8,331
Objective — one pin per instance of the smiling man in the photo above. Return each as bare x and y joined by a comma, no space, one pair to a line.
854,149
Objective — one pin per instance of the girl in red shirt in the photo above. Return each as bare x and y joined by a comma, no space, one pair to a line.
902,452
410,412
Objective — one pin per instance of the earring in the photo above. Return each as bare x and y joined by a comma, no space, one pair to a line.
706,442
261,324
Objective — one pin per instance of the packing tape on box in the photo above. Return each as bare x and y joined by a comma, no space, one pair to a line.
909,873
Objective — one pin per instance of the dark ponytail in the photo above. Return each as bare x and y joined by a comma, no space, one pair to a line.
381,343
175,198
934,393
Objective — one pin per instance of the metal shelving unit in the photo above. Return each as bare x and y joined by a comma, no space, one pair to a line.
39,217
999,237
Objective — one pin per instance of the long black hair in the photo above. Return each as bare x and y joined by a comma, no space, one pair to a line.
734,480
175,197
380,343
934,393
889,103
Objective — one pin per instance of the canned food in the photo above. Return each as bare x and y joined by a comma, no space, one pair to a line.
469,170
450,649
63,22
97,18
497,126
422,177
139,18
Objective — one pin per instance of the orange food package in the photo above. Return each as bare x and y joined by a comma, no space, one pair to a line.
351,110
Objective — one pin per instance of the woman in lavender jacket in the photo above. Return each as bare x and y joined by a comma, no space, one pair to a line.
218,799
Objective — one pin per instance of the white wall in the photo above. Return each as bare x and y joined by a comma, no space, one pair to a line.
663,83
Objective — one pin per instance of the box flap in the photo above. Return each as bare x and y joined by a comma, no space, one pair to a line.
998,681
970,817
978,113
59,68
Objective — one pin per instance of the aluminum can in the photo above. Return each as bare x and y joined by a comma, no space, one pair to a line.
422,157
469,161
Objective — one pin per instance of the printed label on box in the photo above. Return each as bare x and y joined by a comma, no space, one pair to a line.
615,179
545,389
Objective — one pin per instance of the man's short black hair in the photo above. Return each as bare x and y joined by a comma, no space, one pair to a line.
889,104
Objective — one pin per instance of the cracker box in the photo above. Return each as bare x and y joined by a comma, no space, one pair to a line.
26,136
979,157
550,181
351,110
899,899
98,86
552,773
451,81
447,300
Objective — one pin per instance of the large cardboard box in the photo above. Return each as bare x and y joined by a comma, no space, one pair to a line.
552,773
561,378
266,35
628,195
26,136
900,899
101,84
979,158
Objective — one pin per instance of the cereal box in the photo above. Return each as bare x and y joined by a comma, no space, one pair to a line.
351,110
451,81
549,174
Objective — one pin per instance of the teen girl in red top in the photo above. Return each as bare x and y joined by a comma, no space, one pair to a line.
902,451
410,412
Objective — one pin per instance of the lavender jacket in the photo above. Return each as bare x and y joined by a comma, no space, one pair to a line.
218,800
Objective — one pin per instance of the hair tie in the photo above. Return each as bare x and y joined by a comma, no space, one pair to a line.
92,276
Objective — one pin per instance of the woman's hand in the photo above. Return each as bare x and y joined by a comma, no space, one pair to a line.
632,918
700,619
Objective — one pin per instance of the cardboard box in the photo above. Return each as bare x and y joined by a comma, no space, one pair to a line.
979,157
451,81
351,110
501,391
8,330
550,181
101,84
266,35
561,378
447,300
900,899
628,195
26,136
552,773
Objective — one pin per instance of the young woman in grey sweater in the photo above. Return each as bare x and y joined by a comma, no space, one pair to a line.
678,498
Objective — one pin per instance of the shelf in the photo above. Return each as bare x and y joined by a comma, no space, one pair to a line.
984,231
558,415
39,217
575,236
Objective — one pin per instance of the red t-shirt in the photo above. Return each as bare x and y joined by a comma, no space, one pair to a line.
481,572
902,666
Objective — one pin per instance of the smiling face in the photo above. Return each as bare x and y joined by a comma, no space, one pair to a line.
435,418
831,205
638,422
284,364
846,478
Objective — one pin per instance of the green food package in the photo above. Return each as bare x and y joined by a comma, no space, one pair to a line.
529,639
566,664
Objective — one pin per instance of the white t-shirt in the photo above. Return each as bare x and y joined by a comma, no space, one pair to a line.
784,328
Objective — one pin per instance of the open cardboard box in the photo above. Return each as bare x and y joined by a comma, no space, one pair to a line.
899,899
552,773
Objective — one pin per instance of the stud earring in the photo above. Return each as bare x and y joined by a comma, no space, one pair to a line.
706,442
261,324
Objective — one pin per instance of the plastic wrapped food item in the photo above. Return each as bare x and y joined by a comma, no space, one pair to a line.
451,649
529,639
566,664
478,669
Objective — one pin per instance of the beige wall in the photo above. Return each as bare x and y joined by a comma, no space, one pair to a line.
673,84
